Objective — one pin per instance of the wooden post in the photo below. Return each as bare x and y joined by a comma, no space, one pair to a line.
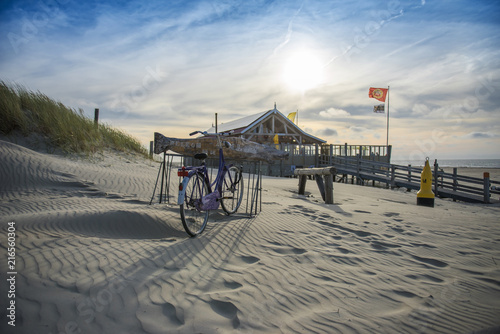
436,167
260,186
455,181
282,163
329,188
358,163
303,150
321,185
302,184
96,116
486,187
393,177
151,143
316,159
409,173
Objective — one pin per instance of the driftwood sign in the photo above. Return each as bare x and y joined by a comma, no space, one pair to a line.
240,149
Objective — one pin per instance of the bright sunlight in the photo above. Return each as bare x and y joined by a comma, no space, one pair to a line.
303,71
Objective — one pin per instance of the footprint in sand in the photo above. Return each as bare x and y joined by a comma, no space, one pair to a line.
381,246
397,229
429,261
171,312
425,278
406,294
241,261
286,250
343,250
227,310
249,259
232,285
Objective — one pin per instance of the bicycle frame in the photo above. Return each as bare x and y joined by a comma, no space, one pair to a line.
215,185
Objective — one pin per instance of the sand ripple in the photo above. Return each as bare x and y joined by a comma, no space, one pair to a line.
93,256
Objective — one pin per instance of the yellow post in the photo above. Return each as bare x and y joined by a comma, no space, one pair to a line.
425,196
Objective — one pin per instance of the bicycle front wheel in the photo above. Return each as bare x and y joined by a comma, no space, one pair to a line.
193,219
232,190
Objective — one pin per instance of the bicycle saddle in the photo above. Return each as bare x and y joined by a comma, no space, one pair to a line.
200,156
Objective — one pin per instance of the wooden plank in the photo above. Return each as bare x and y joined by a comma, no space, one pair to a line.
315,171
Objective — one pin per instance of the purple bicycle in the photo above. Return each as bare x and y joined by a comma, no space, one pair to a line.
198,195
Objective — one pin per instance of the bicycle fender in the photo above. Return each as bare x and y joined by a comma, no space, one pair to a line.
182,190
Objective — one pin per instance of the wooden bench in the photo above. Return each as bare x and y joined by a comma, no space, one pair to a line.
324,179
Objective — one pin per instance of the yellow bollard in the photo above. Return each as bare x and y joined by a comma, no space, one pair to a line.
425,196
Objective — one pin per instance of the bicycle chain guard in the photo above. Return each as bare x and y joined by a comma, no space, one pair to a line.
210,201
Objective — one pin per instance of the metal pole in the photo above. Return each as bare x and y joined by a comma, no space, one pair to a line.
387,141
162,176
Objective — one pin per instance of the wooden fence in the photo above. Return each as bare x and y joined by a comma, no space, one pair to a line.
448,185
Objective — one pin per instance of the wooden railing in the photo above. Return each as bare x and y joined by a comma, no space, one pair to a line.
380,153
448,185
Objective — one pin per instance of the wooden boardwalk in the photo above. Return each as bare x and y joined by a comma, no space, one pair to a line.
445,185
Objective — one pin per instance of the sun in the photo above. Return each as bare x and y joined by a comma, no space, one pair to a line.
303,71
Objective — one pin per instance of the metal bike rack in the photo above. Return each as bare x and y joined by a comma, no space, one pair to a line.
166,178
253,183
254,190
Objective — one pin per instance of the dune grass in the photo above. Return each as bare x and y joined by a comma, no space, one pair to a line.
67,129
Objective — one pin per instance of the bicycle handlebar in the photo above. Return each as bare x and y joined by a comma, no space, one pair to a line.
195,132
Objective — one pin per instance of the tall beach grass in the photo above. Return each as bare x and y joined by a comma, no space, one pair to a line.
31,112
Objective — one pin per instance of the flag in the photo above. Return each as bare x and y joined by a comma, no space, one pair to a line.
380,109
378,93
276,141
291,116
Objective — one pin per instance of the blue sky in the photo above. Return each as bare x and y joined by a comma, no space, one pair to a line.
169,66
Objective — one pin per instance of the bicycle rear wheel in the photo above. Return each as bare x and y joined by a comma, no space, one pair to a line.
194,220
232,190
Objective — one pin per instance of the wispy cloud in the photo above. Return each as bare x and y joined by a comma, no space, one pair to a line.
480,135
333,113
173,65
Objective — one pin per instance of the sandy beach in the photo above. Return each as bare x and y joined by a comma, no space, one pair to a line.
92,256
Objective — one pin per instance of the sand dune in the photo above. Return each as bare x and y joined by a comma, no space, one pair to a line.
93,257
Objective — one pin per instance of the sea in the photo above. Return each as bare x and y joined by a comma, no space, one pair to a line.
470,163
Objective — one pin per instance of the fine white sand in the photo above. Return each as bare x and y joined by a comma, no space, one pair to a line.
93,257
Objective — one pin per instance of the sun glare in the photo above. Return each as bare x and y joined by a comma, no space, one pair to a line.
303,71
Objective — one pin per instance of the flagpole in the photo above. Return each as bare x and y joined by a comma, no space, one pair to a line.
387,140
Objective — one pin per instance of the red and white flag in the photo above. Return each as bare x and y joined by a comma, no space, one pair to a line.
378,93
